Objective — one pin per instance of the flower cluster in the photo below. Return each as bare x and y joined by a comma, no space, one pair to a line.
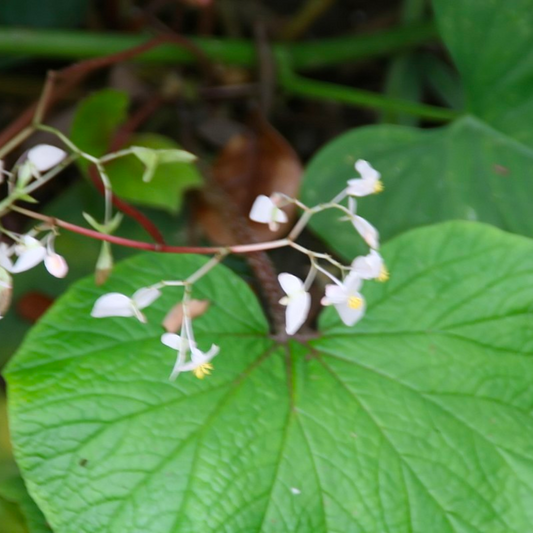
344,293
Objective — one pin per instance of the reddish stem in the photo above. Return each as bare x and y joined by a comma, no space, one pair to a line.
148,246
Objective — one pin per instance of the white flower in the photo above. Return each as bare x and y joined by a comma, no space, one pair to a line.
45,156
367,231
347,299
30,252
266,211
117,304
370,266
298,302
54,263
199,363
368,183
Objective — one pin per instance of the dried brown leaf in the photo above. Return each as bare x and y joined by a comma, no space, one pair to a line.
172,322
259,161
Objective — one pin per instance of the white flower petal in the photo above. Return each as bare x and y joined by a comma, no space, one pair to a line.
367,171
368,232
56,265
262,209
46,156
360,187
5,257
348,314
112,304
200,358
145,296
171,340
334,294
297,312
289,283
352,284
29,258
280,216
368,266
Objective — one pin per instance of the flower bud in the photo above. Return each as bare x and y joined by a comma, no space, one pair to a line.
104,265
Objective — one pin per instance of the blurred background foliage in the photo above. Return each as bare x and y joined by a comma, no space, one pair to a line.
255,89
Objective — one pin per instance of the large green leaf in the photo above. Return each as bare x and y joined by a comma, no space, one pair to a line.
416,420
473,169
464,171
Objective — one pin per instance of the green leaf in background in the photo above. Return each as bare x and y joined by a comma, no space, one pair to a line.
43,13
27,516
96,121
464,171
18,512
473,169
171,171
416,420
491,43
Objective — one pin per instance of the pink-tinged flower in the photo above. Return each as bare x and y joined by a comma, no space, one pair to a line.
266,211
54,263
370,266
368,183
298,302
346,298
199,363
117,304
31,252
45,156
368,232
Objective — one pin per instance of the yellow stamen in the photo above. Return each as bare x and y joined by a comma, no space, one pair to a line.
384,274
203,370
354,302
378,187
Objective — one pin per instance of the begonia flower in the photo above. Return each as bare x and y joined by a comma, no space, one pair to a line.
298,302
199,363
346,298
266,211
368,183
370,266
117,304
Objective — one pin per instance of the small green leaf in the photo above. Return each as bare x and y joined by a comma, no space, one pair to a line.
414,420
159,161
109,228
96,121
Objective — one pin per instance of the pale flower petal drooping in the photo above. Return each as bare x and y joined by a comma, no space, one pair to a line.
368,183
346,298
266,211
45,156
298,302
172,340
56,265
368,232
145,297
